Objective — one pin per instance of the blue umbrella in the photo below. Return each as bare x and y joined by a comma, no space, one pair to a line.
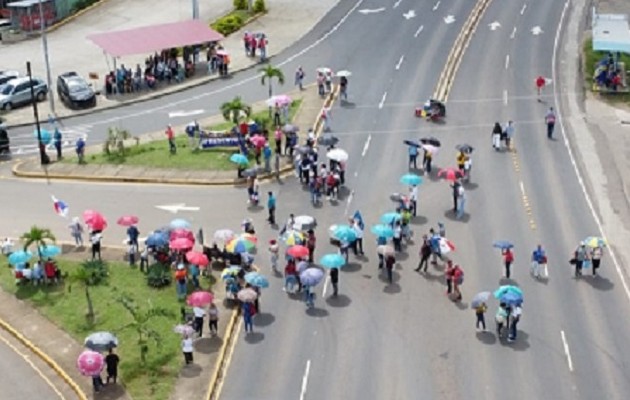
20,257
311,276
390,217
256,279
179,223
502,244
479,298
508,289
410,179
345,233
383,231
49,251
45,135
511,299
332,261
238,158
157,239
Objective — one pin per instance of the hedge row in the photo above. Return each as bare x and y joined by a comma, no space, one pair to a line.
236,20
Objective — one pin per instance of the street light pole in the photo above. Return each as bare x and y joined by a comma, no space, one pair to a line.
42,25
195,9
40,145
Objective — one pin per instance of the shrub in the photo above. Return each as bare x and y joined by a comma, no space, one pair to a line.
228,24
259,6
240,4
159,275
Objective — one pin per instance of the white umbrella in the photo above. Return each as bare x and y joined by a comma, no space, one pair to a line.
223,235
324,70
338,155
344,73
432,149
304,223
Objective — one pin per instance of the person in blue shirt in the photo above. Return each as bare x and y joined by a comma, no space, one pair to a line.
57,142
413,157
132,234
271,207
81,150
267,157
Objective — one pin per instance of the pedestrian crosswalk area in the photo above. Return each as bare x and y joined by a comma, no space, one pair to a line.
26,144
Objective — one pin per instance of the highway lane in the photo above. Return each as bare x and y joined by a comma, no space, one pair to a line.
585,310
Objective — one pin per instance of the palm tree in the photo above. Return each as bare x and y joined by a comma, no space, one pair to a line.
236,110
38,236
142,322
90,273
268,73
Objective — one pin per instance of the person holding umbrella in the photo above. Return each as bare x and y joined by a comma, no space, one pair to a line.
515,317
413,156
508,259
334,280
426,161
390,260
187,349
480,312
425,253
501,318
497,132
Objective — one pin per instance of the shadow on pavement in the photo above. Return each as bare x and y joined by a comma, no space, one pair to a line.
207,345
507,281
316,312
461,305
419,220
520,344
470,185
255,208
383,276
340,301
254,337
599,282
264,319
429,276
111,392
486,337
453,217
352,267
392,288
347,104
402,256
190,371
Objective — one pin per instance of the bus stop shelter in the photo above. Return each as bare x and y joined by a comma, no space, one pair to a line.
611,32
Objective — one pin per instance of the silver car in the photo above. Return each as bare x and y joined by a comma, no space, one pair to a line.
18,92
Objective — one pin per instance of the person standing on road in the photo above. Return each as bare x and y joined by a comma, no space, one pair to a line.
448,275
397,239
213,319
509,134
458,280
76,230
311,241
425,253
413,199
426,161
413,157
248,314
480,312
461,198
326,116
501,318
596,258
343,88
267,157
538,258
271,207
390,260
515,317
334,280
497,132
274,251
581,256
170,135
508,259
95,239
57,141
199,314
112,360
187,349
299,77
455,186
132,234
550,120
358,230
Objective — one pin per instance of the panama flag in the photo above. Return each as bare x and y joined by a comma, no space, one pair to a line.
61,208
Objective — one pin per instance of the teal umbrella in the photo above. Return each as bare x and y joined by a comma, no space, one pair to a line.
411,180
20,257
49,251
390,217
332,261
381,230
345,233
238,158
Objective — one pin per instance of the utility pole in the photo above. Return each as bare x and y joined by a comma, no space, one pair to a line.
42,25
195,9
40,145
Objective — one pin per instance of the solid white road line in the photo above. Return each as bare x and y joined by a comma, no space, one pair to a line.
418,31
397,3
436,6
507,61
348,202
523,9
589,202
325,285
400,61
380,105
505,97
513,35
566,350
305,380
366,146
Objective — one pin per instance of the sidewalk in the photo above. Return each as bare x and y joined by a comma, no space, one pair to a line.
306,117
285,23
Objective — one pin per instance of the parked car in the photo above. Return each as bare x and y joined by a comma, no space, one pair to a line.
4,142
74,91
18,92
6,76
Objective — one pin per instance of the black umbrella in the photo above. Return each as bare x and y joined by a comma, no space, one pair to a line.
327,140
303,149
411,143
288,128
432,140
465,148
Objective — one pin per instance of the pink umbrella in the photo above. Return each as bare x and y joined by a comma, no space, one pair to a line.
200,299
258,141
197,258
298,251
181,244
90,363
127,220
94,220
182,233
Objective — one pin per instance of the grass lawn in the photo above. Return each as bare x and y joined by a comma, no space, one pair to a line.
156,155
67,308
592,57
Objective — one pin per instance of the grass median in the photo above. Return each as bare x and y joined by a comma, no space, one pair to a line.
65,305
155,154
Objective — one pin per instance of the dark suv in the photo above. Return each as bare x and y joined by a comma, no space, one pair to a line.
74,91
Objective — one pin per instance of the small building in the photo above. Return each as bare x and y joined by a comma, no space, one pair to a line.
26,16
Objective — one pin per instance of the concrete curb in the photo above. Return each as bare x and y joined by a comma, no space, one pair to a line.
219,367
74,16
44,357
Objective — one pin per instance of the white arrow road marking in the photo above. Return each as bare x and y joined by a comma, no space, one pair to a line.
449,19
397,3
513,33
436,6
325,285
537,30
400,61
174,208
409,14
418,31
494,25
566,350
176,114
367,11
380,105
523,9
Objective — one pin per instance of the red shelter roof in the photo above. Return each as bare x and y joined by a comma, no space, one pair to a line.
155,38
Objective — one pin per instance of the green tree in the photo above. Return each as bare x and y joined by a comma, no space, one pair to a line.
90,273
236,110
40,237
259,6
240,4
268,73
142,322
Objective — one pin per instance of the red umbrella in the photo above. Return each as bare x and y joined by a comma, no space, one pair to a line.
94,220
127,220
182,233
200,299
197,258
450,174
298,251
181,244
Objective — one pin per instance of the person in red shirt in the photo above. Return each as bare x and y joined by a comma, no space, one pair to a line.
290,274
540,84
310,244
508,259
170,135
458,276
49,270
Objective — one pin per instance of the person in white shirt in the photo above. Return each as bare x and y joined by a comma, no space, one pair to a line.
7,246
213,319
413,198
187,349
198,323
515,316
358,244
